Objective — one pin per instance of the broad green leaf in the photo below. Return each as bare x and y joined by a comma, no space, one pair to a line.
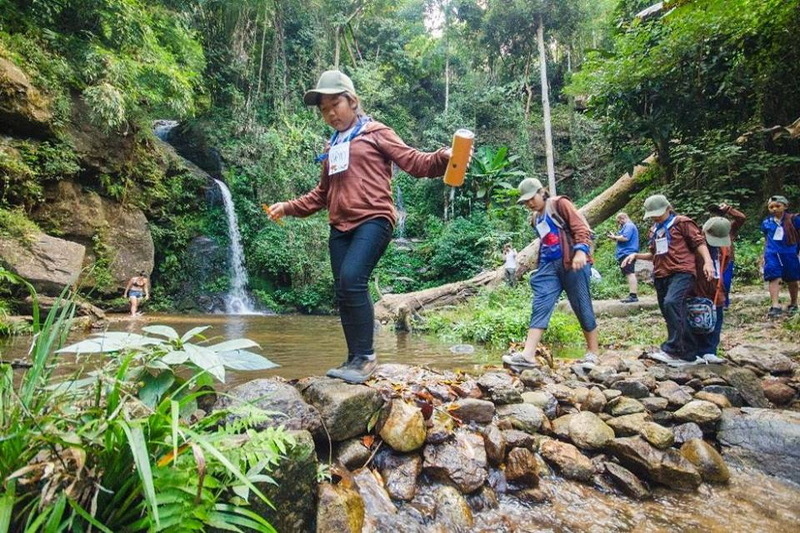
207,360
155,387
162,331
233,344
193,332
112,341
244,360
175,357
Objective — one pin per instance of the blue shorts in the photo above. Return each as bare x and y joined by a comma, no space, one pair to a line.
547,284
135,294
781,266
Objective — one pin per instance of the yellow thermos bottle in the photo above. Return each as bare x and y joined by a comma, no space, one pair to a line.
457,166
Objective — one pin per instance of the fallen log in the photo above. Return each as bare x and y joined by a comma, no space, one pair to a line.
401,308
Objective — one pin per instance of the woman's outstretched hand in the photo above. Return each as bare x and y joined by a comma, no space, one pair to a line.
276,211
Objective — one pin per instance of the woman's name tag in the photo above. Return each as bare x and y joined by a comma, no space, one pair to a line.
339,158
778,236
542,228
661,246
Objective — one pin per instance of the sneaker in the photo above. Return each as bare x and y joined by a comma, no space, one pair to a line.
630,299
774,312
589,361
516,359
356,371
710,358
668,359
334,372
791,310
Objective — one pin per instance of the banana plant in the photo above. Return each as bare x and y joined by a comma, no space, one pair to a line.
492,169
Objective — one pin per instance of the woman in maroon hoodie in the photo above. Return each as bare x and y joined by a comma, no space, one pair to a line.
355,188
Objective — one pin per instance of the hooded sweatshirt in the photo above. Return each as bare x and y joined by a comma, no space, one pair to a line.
363,191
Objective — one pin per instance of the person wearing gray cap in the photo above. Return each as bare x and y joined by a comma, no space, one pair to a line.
717,231
673,242
563,266
782,234
355,188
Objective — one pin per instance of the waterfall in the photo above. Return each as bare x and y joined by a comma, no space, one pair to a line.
237,301
400,229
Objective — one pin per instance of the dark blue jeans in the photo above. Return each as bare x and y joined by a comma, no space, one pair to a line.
672,292
710,342
354,255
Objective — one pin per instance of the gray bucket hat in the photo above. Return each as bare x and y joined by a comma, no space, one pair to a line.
330,82
778,199
527,189
718,231
655,206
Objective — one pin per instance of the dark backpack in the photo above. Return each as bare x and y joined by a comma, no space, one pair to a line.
701,315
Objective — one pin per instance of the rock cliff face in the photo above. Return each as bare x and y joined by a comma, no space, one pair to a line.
89,240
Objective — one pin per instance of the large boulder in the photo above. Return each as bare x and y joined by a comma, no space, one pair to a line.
766,439
110,231
48,263
23,109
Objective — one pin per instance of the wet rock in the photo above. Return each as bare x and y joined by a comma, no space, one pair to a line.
595,401
627,482
399,472
628,425
543,400
778,392
588,432
495,444
568,460
523,416
440,428
665,467
352,454
460,461
345,409
699,412
403,426
521,468
762,357
370,487
747,385
654,404
501,388
518,439
560,426
707,460
452,510
536,495
536,377
675,395
624,406
686,432
472,410
766,439
441,392
677,472
339,509
275,396
720,400
730,393
483,499
657,435
632,388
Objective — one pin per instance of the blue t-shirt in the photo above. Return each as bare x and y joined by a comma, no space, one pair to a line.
769,227
631,246
550,244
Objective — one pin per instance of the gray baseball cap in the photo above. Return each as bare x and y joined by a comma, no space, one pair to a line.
718,231
655,206
778,199
330,82
527,189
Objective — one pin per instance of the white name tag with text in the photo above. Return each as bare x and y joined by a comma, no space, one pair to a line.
661,246
338,158
542,228
778,236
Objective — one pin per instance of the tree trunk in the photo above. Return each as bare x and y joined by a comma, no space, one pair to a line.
548,135
401,308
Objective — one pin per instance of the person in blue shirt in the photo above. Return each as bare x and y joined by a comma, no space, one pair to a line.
782,233
627,243
564,266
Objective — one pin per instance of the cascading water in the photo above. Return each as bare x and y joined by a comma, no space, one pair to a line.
400,228
237,301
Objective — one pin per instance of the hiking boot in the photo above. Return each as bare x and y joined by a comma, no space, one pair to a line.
791,310
632,298
774,312
334,372
710,358
357,370
516,359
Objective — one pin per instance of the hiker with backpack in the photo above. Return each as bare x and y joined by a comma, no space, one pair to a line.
782,233
627,239
673,242
707,299
563,265
737,219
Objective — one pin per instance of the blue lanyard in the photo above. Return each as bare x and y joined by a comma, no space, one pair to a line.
663,227
334,140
